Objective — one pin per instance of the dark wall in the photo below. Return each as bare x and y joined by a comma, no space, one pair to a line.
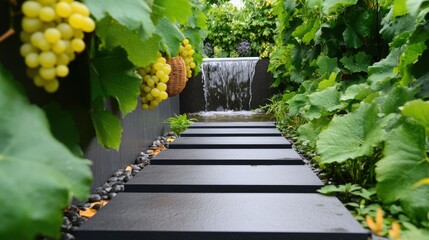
140,129
192,97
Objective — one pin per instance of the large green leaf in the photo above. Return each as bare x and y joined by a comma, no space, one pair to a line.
308,133
404,163
296,103
328,99
112,75
171,36
351,38
399,8
107,126
351,136
419,110
357,63
383,70
134,15
175,10
356,91
38,175
140,52
326,65
336,6
398,96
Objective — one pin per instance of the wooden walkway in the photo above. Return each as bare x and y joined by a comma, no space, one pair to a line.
225,181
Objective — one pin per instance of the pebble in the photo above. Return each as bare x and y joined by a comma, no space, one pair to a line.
73,217
111,195
112,179
94,198
97,206
67,236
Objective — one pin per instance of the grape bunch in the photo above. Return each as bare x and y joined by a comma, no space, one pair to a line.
53,32
154,85
186,52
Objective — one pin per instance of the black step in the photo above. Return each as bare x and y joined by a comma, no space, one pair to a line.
230,142
222,179
228,157
233,125
216,132
226,216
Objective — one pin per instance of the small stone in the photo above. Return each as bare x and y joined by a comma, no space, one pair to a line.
104,197
73,216
106,185
135,172
135,167
106,190
111,195
94,198
112,179
157,143
80,221
73,229
67,236
149,151
73,208
98,190
65,227
117,188
97,206
153,147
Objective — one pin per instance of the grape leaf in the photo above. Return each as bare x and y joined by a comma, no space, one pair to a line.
381,71
330,82
419,110
357,63
171,36
351,136
175,10
356,91
112,75
296,103
63,127
399,8
326,64
140,52
414,6
38,174
133,15
404,163
328,99
398,96
336,6
107,126
351,38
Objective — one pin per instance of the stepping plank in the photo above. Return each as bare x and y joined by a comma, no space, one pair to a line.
233,125
228,157
226,216
216,132
230,142
222,179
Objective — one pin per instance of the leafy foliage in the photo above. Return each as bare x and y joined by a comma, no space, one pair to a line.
179,123
45,174
355,73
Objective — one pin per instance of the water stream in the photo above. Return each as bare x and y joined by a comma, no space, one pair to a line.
227,83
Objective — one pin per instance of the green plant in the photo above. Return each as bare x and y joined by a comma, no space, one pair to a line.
179,123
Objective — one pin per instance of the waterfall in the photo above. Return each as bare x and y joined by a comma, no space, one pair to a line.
227,83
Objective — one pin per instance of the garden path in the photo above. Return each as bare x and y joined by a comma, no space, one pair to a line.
225,181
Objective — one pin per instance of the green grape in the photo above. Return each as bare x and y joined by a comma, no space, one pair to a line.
31,24
145,106
38,81
63,59
47,14
160,74
52,35
161,86
59,47
155,79
32,60
158,66
78,45
51,86
26,49
66,30
162,60
150,82
147,89
44,45
36,37
47,59
149,97
76,20
163,95
144,100
31,8
88,25
80,8
62,71
47,73
47,2
155,92
25,36
63,9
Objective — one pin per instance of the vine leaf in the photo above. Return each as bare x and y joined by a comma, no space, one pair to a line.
174,10
404,163
351,38
351,136
419,110
357,63
112,75
133,15
171,36
107,126
336,6
140,52
328,99
37,173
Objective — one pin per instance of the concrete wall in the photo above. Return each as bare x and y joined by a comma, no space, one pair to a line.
140,129
192,97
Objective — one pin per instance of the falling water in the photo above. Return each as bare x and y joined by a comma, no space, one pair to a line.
228,83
